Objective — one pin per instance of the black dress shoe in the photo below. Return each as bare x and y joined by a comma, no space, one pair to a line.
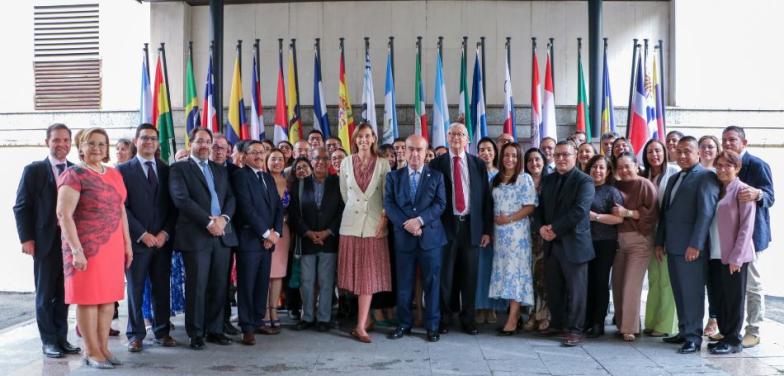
218,338
713,345
723,348
69,348
399,332
323,326
52,351
675,340
433,336
689,347
470,329
443,328
505,333
197,343
302,325
595,331
230,329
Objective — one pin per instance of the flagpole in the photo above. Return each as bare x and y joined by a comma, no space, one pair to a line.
661,75
534,134
551,47
441,48
147,58
392,56
162,50
631,87
280,53
185,87
484,90
296,80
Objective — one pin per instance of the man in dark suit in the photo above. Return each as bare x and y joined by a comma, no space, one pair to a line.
547,146
260,223
562,220
687,209
201,192
756,173
151,217
468,221
39,233
414,200
315,213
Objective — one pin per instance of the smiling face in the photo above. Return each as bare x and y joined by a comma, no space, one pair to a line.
332,145
302,169
429,155
731,140
585,153
95,149
726,171
626,168
254,156
315,140
59,143
708,151
276,162
655,154
416,147
122,152
565,158
621,146
509,158
599,171
607,144
687,154
486,152
147,143
201,145
320,161
535,164
220,150
364,139
548,148
336,158
458,137
672,142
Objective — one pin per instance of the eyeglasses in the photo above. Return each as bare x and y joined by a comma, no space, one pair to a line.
202,142
148,138
219,148
457,134
95,145
562,155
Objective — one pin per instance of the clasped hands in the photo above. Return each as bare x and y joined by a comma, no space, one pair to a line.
317,237
271,239
547,233
217,225
413,226
154,241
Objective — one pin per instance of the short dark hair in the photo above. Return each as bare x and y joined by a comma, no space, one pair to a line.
566,142
677,133
266,141
334,138
549,138
399,139
689,139
609,135
144,126
737,129
244,145
195,131
312,131
57,127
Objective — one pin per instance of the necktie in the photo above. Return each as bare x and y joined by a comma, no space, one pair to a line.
559,184
261,177
214,203
676,185
457,177
152,178
60,168
414,183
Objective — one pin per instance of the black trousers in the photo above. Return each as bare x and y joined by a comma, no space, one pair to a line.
730,293
205,288
567,288
51,312
230,290
253,275
599,281
688,288
459,263
157,264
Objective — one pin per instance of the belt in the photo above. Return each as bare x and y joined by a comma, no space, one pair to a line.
462,218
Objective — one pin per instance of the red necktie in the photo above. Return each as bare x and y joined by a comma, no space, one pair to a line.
457,177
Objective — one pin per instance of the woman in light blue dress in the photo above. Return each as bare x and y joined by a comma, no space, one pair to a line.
514,200
486,307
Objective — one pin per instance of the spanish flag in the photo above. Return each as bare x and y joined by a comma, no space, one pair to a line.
345,114
238,128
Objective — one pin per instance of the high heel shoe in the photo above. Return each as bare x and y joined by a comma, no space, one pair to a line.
92,363
530,325
114,361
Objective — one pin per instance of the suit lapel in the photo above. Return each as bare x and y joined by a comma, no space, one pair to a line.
199,174
422,183
137,166
49,173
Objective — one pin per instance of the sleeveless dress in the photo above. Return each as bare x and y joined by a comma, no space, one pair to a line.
98,219
280,257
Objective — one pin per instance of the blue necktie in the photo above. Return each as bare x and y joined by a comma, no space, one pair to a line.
60,168
214,203
414,182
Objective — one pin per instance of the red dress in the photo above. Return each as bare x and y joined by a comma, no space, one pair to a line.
98,218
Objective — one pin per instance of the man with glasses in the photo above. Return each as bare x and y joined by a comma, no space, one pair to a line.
562,221
468,221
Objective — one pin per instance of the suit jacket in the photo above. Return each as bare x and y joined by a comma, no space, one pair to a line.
259,209
480,203
36,201
735,222
756,173
568,213
685,222
149,209
305,215
362,212
428,204
190,194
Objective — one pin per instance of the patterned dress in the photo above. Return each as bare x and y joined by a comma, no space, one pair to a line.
512,277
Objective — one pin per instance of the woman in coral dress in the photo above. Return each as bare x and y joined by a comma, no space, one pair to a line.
280,257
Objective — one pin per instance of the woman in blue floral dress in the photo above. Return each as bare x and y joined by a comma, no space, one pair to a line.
514,198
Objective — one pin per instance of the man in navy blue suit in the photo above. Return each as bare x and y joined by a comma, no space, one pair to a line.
414,200
260,223
151,217
39,233
756,173
687,210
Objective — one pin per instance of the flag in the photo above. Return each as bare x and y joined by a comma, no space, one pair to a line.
583,119
478,106
390,106
440,108
420,115
281,124
536,103
509,116
650,95
209,116
465,107
256,110
660,133
145,99
368,97
548,104
161,112
638,129
292,104
608,111
237,128
192,119
345,114
319,103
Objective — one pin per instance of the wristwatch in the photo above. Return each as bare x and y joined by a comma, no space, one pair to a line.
596,218
76,251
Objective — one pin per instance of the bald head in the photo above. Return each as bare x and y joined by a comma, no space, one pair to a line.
416,149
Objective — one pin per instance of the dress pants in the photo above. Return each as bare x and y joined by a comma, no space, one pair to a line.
567,288
755,297
157,264
688,287
253,275
629,268
317,267
729,299
599,281
459,270
429,261
660,313
229,288
51,312
205,288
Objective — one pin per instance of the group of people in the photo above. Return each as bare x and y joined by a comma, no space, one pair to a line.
457,233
